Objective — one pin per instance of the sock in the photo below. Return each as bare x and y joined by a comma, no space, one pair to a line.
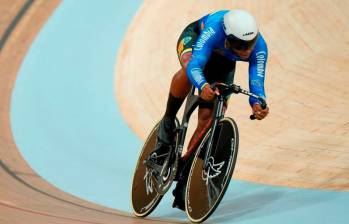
173,105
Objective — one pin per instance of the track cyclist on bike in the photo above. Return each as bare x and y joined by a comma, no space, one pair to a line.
208,50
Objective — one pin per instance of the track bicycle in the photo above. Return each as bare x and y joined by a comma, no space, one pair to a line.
212,166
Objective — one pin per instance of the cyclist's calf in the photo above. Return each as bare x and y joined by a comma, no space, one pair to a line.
204,122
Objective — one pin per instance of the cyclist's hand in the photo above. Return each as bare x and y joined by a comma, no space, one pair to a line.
258,112
208,93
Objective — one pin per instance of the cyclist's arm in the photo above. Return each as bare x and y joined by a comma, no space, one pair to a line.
201,54
257,68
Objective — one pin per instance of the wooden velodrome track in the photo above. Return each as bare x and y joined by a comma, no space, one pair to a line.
304,142
24,196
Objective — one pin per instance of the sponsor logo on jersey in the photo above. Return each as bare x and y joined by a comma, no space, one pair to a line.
261,58
180,48
204,36
197,75
186,40
256,83
202,25
182,44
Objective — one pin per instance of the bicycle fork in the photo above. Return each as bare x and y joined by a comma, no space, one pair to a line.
217,115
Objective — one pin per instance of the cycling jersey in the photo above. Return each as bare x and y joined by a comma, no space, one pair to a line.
211,39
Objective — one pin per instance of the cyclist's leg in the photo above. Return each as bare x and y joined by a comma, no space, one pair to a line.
218,69
180,85
204,122
205,118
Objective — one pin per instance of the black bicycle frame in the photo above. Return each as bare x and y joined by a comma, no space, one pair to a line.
191,104
194,100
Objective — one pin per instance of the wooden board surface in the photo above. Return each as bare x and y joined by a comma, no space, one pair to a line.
305,140
24,196
303,143
8,11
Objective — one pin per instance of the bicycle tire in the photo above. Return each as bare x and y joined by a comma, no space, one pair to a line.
142,208
198,205
144,203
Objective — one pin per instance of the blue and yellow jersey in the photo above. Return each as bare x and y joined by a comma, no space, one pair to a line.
211,39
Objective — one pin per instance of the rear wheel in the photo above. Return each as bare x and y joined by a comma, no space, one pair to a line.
206,186
149,185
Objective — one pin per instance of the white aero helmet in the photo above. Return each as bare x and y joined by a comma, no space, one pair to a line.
241,29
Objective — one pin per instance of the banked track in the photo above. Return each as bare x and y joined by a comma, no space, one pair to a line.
305,140
24,196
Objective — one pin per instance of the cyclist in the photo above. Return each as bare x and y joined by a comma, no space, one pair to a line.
208,50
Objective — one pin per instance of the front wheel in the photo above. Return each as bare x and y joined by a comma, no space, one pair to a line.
207,185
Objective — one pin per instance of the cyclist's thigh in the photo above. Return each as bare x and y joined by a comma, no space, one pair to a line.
186,41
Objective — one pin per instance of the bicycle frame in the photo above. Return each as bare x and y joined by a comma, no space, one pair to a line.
191,104
194,100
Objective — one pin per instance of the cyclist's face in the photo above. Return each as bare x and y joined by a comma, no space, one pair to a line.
243,54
